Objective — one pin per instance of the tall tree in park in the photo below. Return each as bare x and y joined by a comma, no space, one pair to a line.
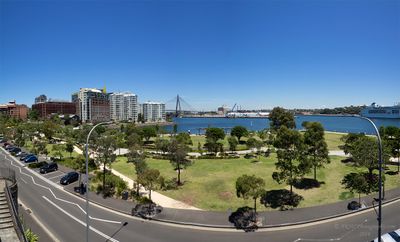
359,183
250,187
49,128
161,145
184,138
253,143
58,150
80,166
365,154
177,157
280,117
69,147
150,179
213,136
391,137
233,142
148,132
106,145
137,156
316,147
290,164
239,131
349,140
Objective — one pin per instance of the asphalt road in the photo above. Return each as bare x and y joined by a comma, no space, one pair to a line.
63,215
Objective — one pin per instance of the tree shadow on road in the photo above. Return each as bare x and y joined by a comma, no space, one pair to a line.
244,218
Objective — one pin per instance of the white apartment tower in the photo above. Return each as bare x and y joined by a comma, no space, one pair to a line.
124,106
153,111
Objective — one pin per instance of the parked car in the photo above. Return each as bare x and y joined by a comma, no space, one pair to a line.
393,236
14,150
69,178
23,157
30,159
9,147
21,153
49,167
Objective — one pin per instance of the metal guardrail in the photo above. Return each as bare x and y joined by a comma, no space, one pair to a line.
9,174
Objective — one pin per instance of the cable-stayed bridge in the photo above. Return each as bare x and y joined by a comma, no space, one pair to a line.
179,107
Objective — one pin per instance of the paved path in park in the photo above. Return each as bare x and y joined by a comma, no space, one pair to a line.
158,198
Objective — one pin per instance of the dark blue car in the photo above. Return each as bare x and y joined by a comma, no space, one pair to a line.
30,159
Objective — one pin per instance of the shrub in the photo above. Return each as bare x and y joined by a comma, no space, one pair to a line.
37,164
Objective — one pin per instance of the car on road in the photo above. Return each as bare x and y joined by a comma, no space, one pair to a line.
10,147
31,158
393,236
49,167
70,177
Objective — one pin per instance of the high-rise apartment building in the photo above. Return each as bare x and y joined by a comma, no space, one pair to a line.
92,105
153,111
124,106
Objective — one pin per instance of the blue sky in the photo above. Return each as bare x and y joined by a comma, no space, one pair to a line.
259,54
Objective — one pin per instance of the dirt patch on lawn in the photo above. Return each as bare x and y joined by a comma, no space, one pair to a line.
225,195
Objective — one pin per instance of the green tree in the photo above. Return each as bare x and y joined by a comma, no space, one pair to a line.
80,166
148,132
233,142
391,137
69,147
253,143
137,156
162,145
106,146
239,131
250,187
359,183
175,129
290,164
33,115
150,179
184,138
280,117
49,128
349,141
177,157
215,134
58,149
316,147
365,154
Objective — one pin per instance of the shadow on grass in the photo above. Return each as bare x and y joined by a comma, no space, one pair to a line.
348,160
307,183
281,199
391,173
244,218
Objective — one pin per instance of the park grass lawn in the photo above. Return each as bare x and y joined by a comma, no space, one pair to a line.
332,139
210,184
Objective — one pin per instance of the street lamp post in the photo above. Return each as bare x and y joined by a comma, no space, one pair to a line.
380,177
87,178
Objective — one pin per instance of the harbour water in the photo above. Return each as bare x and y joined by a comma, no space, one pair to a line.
347,124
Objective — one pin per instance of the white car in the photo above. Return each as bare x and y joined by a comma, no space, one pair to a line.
393,236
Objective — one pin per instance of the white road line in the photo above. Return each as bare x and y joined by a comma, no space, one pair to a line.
108,238
54,177
60,199
22,179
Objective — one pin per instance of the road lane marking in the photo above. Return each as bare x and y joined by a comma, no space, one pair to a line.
45,228
54,177
22,179
108,238
60,199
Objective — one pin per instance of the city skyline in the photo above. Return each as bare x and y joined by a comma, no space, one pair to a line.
295,54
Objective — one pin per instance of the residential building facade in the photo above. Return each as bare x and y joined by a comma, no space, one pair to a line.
18,111
124,106
92,105
153,111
